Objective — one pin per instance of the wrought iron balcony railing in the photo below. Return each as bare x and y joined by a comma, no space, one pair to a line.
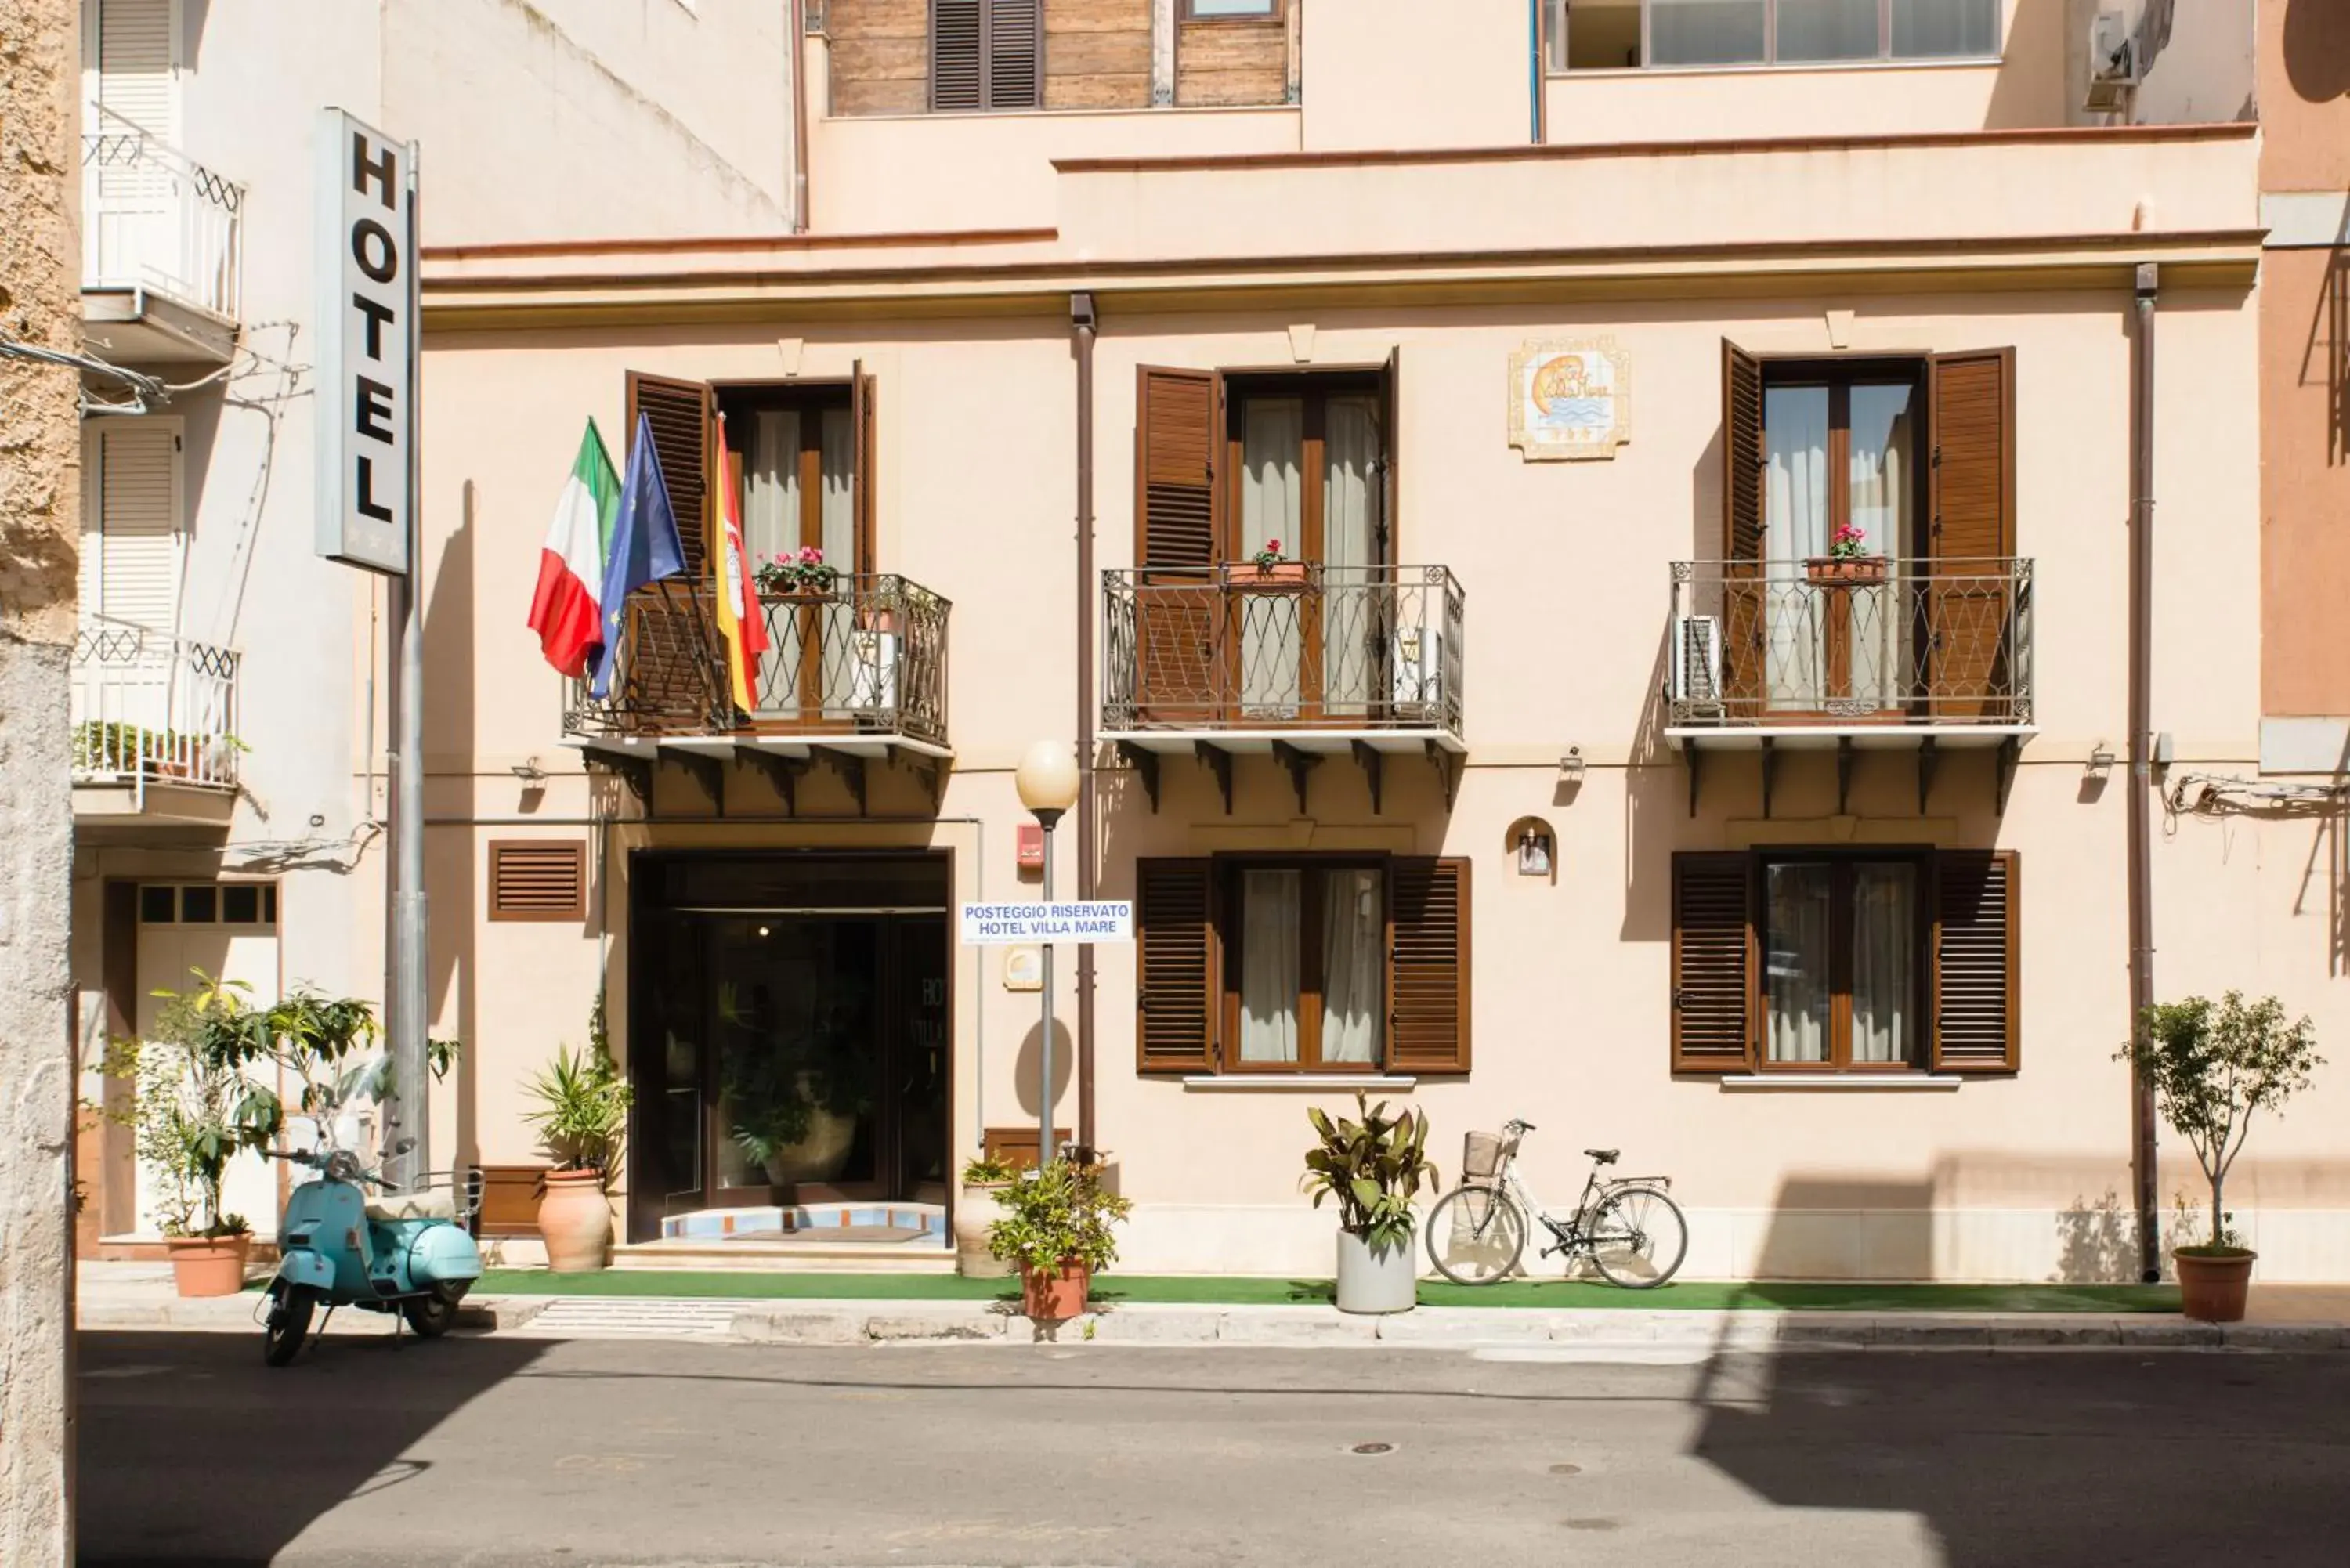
1874,641
148,707
153,218
867,657
1335,647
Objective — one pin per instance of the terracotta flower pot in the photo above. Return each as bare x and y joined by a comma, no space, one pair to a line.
2212,1284
1861,571
209,1265
1281,576
973,1214
1049,1295
576,1221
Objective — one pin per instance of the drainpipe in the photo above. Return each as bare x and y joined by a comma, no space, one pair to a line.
1081,323
1534,71
2141,765
799,118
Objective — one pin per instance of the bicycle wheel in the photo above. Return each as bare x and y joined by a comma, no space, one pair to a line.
1475,1234
1637,1238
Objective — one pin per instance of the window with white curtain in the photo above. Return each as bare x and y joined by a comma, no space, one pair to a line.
798,460
1841,943
1310,990
1618,35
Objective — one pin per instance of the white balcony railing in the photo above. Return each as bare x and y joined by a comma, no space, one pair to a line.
154,218
151,709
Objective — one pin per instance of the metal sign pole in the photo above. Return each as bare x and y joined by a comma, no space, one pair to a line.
1045,1055
410,940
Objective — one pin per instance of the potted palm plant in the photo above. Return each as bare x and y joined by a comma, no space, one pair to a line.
582,1115
1373,1168
1055,1229
986,1176
2212,1067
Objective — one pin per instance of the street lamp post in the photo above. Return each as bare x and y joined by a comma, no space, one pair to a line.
1047,782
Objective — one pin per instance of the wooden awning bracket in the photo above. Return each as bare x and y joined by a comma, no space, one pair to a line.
1367,757
2010,749
1449,768
1300,763
931,773
1145,765
1770,773
784,772
1843,775
637,772
1927,759
708,770
1219,762
851,769
1696,756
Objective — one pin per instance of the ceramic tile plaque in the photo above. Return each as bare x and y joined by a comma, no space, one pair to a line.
1570,400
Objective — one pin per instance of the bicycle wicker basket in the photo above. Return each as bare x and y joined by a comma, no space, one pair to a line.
1482,1155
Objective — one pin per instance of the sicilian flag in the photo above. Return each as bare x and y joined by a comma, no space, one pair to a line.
644,547
739,620
563,608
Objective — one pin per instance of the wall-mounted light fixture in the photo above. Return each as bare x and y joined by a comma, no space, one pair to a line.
2101,761
1570,765
529,772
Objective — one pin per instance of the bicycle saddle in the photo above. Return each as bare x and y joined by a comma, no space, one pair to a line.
1603,1156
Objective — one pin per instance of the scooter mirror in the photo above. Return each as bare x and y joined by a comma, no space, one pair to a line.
403,1146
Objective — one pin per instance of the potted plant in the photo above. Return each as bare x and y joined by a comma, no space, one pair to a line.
2212,1067
1373,1168
1268,570
182,1116
797,576
986,1176
795,1092
1056,1229
582,1115
1848,560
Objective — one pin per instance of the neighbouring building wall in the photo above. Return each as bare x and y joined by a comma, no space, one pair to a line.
573,118
2305,61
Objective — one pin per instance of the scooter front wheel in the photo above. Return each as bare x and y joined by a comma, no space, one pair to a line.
288,1324
430,1316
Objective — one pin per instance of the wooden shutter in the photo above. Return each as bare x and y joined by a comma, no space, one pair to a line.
1175,966
863,477
1015,54
1390,446
539,879
130,572
1977,909
1744,588
1427,967
1714,961
671,677
1177,536
957,64
1971,404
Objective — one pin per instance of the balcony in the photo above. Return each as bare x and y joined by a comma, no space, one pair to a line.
1353,661
154,729
854,674
161,250
1912,653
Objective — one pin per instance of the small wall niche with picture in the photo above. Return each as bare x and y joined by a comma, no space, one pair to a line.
1533,848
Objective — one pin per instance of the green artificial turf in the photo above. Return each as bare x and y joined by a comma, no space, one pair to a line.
1228,1291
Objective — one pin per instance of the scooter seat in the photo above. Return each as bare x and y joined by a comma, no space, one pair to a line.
432,1203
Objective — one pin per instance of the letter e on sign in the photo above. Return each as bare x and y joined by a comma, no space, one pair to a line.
367,304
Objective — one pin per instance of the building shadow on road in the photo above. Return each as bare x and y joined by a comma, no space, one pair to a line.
192,1451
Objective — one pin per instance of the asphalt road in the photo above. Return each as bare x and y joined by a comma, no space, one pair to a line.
502,1450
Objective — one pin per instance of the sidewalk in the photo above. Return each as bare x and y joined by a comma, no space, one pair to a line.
2284,1318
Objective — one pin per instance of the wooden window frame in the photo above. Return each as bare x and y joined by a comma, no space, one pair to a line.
576,910
1229,922
1839,375
1842,862
1770,60
1315,388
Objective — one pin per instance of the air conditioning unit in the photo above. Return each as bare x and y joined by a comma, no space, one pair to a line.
1418,671
873,683
1697,663
2113,64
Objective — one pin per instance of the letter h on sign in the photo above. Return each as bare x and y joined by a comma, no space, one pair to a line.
366,350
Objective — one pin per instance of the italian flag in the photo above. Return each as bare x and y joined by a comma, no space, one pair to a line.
563,608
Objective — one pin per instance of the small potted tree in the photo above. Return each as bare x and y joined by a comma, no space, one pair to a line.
2211,1067
982,1178
1373,1168
182,1116
1056,1229
581,1114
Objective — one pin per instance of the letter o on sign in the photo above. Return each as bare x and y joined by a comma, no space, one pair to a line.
370,236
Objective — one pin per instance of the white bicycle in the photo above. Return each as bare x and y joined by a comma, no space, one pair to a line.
1627,1226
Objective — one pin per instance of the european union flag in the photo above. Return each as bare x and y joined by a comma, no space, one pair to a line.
644,549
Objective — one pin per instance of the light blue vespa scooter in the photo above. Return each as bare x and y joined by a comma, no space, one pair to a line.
400,1252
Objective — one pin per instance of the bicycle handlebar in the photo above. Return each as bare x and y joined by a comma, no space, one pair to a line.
1515,1126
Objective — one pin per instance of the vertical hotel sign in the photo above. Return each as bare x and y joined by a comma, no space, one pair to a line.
366,350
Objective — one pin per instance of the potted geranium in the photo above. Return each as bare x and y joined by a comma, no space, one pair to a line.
1373,1168
1848,560
2211,1067
1268,570
1055,1229
799,574
982,1178
582,1115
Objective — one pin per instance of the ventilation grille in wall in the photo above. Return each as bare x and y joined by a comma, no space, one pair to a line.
539,879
